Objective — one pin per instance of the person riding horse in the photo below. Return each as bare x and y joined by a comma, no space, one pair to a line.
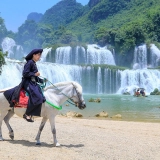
29,84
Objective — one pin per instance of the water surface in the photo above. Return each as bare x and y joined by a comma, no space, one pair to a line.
131,108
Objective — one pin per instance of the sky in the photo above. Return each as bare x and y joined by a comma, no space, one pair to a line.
15,12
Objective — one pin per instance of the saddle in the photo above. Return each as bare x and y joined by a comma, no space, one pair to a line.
23,100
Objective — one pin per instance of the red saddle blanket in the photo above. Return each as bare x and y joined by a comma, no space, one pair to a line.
23,100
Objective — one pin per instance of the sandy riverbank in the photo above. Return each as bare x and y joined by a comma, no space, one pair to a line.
83,139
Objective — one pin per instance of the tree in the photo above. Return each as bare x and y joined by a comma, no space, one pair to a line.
2,60
3,30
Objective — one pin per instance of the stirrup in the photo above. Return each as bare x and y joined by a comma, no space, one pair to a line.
29,120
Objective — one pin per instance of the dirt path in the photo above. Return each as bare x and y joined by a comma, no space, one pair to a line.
83,139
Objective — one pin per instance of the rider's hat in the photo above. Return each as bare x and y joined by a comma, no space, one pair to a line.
34,51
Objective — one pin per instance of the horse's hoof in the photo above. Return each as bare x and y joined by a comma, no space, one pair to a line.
12,137
57,145
38,144
1,139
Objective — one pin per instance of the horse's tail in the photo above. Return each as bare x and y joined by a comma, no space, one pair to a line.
3,90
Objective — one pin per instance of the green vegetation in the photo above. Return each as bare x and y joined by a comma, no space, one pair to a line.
62,13
106,8
33,35
3,30
98,100
155,92
2,60
121,24
35,16
133,23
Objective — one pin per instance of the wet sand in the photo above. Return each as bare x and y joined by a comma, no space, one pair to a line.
82,139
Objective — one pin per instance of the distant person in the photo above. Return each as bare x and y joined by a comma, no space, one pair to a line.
138,92
142,92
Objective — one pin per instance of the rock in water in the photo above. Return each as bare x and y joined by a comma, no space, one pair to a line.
73,114
102,114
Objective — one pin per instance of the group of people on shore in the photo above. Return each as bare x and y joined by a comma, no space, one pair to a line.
139,92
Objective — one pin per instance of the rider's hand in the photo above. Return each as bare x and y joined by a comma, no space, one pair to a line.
37,74
45,80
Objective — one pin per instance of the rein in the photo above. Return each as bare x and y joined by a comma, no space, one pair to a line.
54,106
59,91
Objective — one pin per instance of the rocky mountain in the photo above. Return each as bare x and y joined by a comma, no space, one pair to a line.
92,3
120,24
62,13
35,16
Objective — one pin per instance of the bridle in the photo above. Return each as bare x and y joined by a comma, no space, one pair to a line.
69,98
78,95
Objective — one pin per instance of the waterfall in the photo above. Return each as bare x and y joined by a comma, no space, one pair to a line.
99,55
10,71
93,80
14,51
45,52
78,55
55,73
147,79
99,81
155,56
90,78
140,57
63,55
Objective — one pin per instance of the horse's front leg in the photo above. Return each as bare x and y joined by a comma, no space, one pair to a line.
53,129
6,120
43,122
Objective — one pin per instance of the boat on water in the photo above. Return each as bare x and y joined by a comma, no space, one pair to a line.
140,92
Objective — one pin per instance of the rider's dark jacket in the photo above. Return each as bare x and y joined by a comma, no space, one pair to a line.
30,83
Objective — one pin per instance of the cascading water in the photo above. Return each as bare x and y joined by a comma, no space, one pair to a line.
99,55
99,81
10,70
14,51
93,79
63,55
46,51
140,57
132,79
90,78
78,55
155,56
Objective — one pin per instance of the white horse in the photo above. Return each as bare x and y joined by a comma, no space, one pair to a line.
66,90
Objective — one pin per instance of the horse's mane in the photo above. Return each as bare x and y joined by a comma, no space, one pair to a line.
61,84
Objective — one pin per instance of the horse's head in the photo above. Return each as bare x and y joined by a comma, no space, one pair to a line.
77,96
69,90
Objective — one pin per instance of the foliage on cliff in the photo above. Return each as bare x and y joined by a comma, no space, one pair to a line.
62,13
120,23
3,30
35,16
142,29
32,35
2,60
107,8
